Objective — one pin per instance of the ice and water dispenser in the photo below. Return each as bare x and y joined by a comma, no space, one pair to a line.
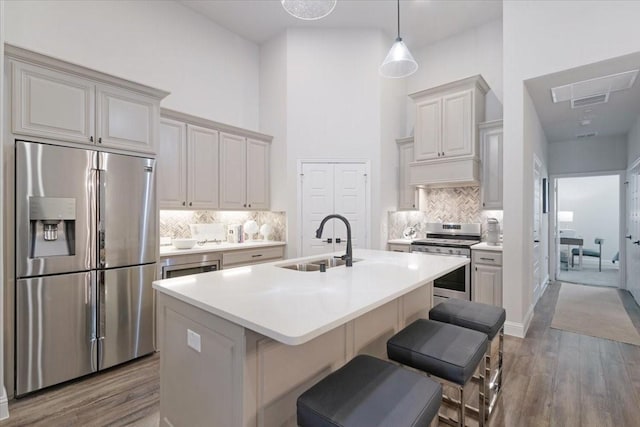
52,226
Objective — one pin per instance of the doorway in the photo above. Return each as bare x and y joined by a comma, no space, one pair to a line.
587,216
333,188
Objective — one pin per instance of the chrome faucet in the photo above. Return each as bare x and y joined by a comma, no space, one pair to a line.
348,257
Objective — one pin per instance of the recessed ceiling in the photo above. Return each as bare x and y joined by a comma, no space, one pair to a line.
561,122
422,21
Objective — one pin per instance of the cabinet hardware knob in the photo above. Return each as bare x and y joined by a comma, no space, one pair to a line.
628,237
91,138
100,140
244,206
184,203
249,204
190,203
637,242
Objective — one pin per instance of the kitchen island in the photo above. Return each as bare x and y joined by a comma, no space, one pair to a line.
238,346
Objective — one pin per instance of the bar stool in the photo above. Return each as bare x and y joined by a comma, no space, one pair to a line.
370,392
484,318
450,353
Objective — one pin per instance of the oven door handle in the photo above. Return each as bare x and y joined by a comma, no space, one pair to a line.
440,254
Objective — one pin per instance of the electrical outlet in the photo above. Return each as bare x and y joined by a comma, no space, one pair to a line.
193,340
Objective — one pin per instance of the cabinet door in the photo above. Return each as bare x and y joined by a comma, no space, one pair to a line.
126,120
492,168
202,168
258,161
172,164
407,193
428,132
487,284
52,105
457,125
233,173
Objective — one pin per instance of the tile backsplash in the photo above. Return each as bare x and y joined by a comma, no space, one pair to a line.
455,204
175,224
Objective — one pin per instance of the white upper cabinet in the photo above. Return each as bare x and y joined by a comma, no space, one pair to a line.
447,118
56,100
171,164
458,128
187,166
51,104
233,172
491,143
202,168
258,175
408,194
126,120
210,165
428,129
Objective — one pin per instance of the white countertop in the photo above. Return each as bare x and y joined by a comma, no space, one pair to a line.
294,307
399,241
171,250
487,247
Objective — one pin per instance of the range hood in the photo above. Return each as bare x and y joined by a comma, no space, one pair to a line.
445,173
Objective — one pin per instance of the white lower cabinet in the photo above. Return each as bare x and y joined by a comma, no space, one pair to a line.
487,277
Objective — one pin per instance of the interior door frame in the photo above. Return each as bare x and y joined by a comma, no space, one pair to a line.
622,220
367,166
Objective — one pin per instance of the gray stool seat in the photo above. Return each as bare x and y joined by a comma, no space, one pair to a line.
484,318
370,392
447,351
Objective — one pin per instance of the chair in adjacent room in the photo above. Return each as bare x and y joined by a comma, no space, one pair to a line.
589,252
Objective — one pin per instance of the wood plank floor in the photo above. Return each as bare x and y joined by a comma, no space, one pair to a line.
552,378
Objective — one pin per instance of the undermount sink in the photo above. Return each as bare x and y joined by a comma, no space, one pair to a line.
314,265
302,267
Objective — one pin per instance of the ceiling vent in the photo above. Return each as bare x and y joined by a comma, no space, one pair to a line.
587,135
589,101
593,91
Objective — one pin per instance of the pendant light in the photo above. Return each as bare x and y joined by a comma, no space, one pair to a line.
399,62
309,10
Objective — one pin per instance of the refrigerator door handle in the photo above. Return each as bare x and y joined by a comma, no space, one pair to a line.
92,300
101,332
102,185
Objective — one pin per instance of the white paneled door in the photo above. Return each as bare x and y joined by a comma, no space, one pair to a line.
537,229
633,232
329,188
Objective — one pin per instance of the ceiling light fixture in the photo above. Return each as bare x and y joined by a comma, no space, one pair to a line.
309,10
399,62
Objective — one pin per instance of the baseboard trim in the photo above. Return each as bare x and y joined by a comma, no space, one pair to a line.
517,329
4,405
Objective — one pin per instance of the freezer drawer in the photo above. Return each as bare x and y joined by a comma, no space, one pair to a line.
125,314
55,330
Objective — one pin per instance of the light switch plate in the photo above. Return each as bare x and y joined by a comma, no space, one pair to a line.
193,340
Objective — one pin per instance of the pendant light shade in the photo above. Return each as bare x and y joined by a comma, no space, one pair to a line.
399,62
309,10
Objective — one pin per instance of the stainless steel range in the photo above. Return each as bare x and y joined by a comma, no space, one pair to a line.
452,240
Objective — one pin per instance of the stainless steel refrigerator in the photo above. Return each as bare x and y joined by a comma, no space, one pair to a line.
85,260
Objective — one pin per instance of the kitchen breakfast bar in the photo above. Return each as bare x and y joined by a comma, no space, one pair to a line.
237,347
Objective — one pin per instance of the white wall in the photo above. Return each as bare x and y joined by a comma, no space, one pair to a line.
535,138
476,51
273,113
633,144
543,37
210,71
595,203
599,154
